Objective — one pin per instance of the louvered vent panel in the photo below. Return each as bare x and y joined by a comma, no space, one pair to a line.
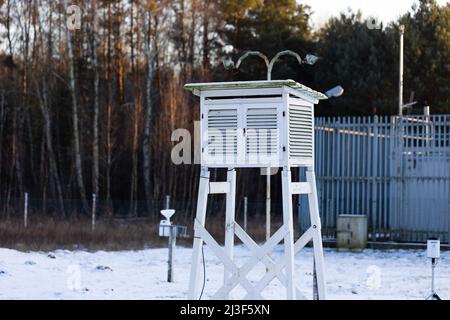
222,133
300,132
262,132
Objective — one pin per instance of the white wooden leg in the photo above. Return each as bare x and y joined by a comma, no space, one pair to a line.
289,254
194,281
229,223
234,275
317,235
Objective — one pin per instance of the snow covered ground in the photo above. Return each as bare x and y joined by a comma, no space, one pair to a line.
373,274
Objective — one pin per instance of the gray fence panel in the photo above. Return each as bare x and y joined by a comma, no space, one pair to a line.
395,170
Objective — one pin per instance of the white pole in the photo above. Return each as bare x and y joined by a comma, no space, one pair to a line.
315,287
230,213
25,211
426,113
245,212
200,217
289,248
94,209
433,265
401,129
317,234
167,202
448,206
172,237
400,84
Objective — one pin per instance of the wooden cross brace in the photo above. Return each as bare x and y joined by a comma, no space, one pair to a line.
284,269
260,254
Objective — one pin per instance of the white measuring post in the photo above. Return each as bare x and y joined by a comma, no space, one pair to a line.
172,239
166,229
256,124
169,230
171,245
25,210
229,221
268,201
433,253
245,212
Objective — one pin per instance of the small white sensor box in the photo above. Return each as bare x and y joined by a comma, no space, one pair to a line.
164,228
433,248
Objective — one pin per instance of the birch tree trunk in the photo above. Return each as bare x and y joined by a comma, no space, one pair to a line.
43,104
151,55
75,124
95,132
134,157
109,80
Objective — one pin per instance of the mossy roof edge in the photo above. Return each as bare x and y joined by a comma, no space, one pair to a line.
255,85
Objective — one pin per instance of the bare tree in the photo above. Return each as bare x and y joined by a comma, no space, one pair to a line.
75,121
151,54
96,108
43,69
83,110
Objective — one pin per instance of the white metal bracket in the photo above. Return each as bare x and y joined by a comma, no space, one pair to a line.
219,187
301,188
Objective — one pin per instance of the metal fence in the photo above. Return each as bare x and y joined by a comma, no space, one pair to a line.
396,170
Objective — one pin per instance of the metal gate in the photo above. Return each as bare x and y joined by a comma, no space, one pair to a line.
396,170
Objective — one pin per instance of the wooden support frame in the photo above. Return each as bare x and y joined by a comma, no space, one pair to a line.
283,269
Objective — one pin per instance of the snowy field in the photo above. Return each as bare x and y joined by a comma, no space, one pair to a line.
373,274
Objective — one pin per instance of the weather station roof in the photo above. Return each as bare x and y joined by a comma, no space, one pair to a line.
197,87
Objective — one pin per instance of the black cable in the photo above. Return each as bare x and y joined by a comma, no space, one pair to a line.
204,274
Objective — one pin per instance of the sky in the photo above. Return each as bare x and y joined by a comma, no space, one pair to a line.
384,10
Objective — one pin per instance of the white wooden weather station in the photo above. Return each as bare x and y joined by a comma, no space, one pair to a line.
257,124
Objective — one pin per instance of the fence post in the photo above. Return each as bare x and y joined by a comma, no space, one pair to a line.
245,212
94,207
374,177
448,188
401,173
25,211
447,139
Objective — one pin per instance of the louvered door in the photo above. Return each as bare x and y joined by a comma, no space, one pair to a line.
220,126
262,133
